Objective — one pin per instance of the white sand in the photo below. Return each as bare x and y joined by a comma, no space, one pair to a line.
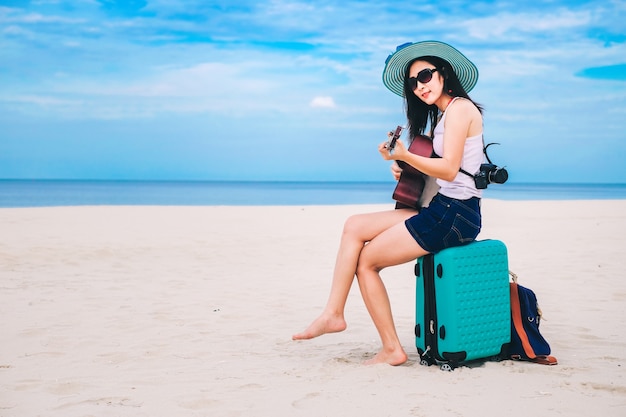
189,311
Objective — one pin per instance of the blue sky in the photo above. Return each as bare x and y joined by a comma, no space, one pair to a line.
292,90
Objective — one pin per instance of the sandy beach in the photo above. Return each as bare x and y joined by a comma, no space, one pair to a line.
189,311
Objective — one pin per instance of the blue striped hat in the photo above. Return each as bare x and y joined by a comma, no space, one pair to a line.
395,65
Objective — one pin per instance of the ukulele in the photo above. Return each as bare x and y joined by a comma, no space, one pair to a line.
412,182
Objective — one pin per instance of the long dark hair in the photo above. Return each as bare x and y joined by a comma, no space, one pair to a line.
419,114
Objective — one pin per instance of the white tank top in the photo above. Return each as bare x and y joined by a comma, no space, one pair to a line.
462,187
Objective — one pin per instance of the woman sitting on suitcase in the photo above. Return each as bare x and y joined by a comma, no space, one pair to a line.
434,79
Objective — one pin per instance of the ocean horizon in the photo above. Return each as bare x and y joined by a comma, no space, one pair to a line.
50,193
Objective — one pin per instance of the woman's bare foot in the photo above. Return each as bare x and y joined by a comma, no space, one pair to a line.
393,357
320,326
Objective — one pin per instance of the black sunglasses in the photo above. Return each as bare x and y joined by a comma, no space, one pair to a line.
423,76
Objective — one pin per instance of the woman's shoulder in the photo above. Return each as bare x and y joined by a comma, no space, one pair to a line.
463,106
464,114
463,103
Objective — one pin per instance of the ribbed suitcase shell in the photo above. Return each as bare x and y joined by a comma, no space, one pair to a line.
468,317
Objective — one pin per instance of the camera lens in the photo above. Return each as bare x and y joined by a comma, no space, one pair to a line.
499,176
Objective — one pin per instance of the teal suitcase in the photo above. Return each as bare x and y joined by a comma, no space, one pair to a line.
463,310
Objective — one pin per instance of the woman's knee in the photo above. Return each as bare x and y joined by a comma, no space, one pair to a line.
353,226
367,264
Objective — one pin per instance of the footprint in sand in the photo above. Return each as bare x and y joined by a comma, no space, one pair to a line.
302,402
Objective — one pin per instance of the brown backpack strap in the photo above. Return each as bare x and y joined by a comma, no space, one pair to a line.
545,360
517,322
519,328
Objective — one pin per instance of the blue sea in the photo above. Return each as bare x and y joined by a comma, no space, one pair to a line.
46,193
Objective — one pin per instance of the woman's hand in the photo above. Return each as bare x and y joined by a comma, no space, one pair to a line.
384,151
398,151
396,170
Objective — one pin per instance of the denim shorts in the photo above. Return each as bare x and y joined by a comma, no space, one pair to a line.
445,223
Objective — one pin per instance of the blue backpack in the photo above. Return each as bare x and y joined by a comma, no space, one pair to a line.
527,343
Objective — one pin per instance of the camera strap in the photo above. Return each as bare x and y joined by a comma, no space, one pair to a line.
461,170
486,156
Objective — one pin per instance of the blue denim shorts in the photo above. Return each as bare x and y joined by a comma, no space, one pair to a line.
445,223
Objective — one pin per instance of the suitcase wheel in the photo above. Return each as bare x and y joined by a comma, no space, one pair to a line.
448,367
425,358
425,362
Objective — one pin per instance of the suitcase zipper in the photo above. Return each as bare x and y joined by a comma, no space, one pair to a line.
430,307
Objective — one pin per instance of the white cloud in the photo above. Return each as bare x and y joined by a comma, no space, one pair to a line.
519,25
323,102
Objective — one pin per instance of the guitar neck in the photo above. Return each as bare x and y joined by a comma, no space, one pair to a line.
396,135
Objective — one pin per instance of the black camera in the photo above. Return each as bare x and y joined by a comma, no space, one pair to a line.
490,173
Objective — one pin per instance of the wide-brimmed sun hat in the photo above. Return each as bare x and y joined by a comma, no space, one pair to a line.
395,65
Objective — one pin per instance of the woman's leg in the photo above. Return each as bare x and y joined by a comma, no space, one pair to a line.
358,230
392,247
